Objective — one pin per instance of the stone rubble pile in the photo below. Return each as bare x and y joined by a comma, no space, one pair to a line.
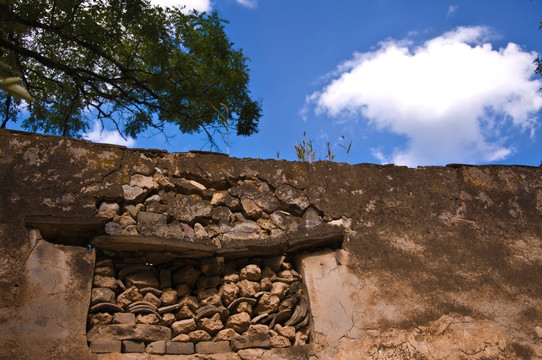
187,306
223,214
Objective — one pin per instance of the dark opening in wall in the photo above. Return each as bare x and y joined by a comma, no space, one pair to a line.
187,306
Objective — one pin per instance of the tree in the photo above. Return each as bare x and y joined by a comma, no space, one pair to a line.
140,66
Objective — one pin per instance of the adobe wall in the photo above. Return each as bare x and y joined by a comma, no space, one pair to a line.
433,262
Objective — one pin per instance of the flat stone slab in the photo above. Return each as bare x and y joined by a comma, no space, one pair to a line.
255,247
179,348
318,237
304,239
139,332
157,347
213,347
66,230
129,346
181,247
105,346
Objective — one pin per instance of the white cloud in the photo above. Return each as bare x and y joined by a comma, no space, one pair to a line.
452,9
248,3
453,97
100,135
199,5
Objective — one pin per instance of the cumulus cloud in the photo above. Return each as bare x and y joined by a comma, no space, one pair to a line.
100,135
199,5
455,98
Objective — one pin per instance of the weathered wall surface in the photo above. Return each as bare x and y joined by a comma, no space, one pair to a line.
445,262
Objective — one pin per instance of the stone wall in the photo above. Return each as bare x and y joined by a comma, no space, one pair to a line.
433,262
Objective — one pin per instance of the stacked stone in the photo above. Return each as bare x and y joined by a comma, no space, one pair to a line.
243,210
196,306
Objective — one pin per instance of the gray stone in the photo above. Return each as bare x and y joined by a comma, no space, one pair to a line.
100,295
200,232
142,181
292,197
105,346
152,198
224,198
149,222
257,191
281,219
113,228
312,219
222,213
109,206
179,348
241,231
132,209
156,347
129,346
133,193
188,208
213,347
188,186
251,208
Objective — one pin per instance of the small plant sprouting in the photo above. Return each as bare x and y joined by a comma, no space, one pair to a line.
347,148
329,156
304,151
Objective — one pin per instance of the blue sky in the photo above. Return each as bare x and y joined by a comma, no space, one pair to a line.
418,82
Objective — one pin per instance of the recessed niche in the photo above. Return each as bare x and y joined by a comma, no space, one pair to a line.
187,306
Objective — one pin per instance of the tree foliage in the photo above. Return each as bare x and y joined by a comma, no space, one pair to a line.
139,65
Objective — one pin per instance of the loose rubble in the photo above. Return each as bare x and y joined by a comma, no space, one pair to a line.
187,306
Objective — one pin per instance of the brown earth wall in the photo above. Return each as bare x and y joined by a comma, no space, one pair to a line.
436,262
